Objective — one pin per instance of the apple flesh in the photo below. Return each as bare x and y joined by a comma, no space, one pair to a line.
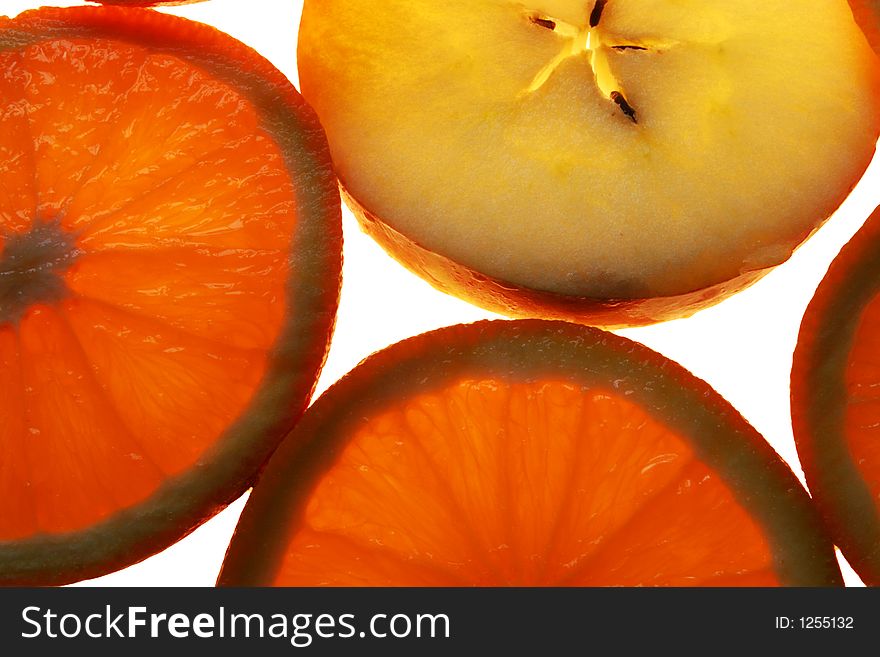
616,162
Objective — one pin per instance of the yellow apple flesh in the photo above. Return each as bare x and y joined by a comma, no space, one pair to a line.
616,162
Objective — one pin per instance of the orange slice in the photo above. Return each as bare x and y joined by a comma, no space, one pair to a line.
170,250
526,453
835,399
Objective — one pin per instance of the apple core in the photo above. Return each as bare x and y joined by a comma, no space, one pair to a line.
592,40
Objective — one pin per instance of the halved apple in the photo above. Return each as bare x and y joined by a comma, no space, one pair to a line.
616,162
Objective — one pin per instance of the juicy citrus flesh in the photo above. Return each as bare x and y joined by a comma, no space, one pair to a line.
488,482
670,147
177,212
525,454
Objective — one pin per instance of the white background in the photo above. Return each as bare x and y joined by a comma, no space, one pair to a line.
742,346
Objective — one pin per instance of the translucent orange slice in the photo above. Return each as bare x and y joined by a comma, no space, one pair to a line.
170,254
526,453
835,399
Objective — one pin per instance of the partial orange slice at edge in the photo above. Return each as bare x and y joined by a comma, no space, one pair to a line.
526,453
835,399
170,253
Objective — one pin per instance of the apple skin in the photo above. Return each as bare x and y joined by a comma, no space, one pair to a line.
511,300
867,15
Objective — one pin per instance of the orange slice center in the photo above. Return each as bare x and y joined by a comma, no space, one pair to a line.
31,265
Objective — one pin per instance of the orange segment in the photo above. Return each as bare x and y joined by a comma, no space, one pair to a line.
18,519
170,253
835,401
713,538
238,196
526,453
18,200
75,90
83,461
173,116
319,555
175,393
232,296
